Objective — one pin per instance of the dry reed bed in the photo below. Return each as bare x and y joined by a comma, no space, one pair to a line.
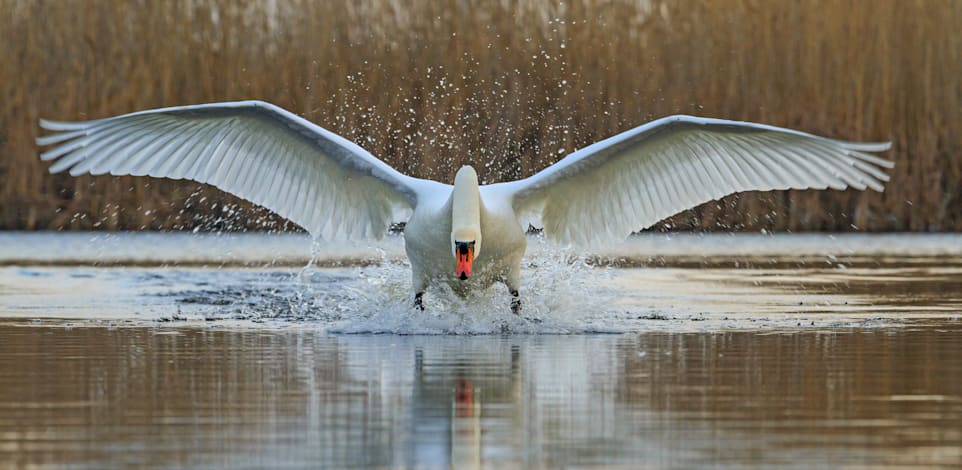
428,85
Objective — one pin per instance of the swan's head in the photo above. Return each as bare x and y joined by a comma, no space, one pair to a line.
465,221
467,244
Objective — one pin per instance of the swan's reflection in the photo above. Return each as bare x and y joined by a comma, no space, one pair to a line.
465,426
94,397
449,397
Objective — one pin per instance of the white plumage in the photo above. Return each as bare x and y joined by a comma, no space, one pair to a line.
337,190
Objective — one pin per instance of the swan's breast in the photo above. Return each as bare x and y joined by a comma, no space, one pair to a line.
427,240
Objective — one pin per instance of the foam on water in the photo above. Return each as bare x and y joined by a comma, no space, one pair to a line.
169,281
560,294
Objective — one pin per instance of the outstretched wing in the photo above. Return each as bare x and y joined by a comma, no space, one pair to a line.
260,152
628,182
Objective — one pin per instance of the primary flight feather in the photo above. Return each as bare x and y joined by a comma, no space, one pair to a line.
337,190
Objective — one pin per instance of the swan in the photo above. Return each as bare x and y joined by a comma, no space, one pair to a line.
466,235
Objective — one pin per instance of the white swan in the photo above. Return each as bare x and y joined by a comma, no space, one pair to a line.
466,235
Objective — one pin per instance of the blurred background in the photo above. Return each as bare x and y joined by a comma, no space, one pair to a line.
506,86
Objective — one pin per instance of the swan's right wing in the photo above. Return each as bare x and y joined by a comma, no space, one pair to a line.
629,182
260,152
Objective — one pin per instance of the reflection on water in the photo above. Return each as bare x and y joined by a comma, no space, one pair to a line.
135,350
93,396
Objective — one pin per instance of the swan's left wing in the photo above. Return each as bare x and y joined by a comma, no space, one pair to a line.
628,182
252,149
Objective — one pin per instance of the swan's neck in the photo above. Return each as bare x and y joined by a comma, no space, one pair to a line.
466,206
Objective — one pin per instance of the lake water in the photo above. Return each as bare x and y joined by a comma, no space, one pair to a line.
176,350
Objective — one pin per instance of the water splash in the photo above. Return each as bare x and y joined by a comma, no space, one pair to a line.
561,294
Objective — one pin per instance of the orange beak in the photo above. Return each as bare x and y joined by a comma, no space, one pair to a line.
465,258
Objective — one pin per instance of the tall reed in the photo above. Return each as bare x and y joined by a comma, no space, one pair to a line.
507,86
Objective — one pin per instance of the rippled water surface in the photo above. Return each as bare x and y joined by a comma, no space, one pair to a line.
179,351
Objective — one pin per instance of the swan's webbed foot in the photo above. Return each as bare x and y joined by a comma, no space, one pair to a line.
418,301
515,302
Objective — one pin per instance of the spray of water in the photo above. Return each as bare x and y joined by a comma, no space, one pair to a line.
561,293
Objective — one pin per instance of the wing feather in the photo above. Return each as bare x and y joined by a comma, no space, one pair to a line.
842,163
629,182
131,160
255,150
715,169
179,156
186,165
222,153
763,172
824,173
210,143
252,172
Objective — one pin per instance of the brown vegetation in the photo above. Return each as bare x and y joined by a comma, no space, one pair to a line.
428,85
